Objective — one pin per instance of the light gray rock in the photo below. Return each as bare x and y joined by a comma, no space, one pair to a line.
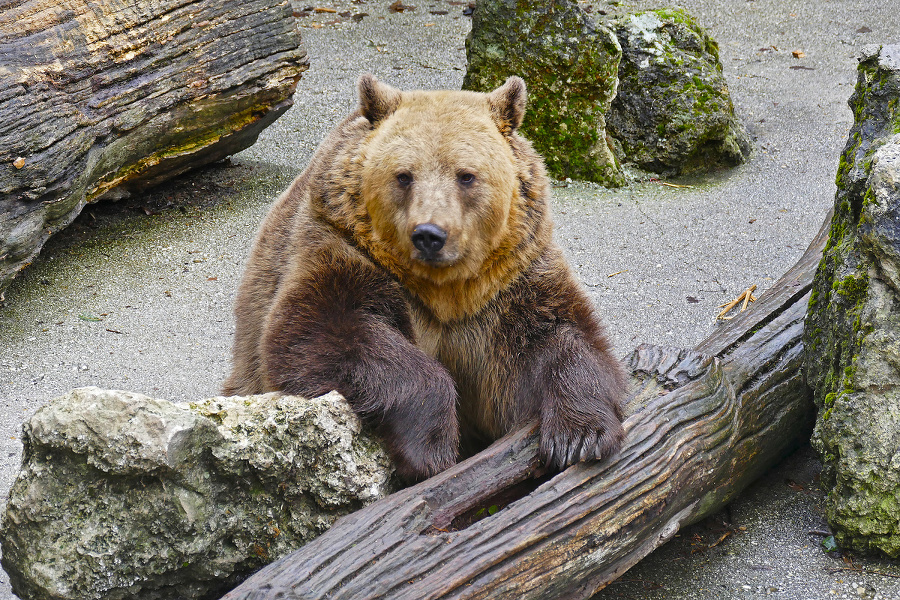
125,496
852,332
673,113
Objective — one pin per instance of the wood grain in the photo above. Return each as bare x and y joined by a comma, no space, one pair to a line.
101,98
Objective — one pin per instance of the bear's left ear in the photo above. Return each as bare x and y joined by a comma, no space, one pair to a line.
508,105
377,100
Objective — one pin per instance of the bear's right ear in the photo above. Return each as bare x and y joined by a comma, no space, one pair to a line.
377,100
508,105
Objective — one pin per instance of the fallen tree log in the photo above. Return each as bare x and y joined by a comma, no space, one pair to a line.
98,98
703,424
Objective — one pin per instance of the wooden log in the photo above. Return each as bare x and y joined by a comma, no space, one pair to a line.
99,98
703,424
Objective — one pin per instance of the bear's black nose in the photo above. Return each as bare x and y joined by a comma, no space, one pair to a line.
429,239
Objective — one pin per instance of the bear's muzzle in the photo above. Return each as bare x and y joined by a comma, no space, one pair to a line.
429,240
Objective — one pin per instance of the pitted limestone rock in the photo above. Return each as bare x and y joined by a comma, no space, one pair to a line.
125,496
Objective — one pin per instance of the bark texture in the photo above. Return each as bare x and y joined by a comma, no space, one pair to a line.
98,99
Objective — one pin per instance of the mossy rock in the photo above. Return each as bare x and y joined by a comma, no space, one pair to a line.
673,113
570,66
852,333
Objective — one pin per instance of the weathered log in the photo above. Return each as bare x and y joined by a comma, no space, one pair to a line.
97,98
703,424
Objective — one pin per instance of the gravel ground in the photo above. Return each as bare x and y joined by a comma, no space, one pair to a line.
137,295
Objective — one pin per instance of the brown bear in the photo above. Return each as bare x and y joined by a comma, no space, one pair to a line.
411,268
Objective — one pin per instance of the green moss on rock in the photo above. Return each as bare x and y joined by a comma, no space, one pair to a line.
852,334
570,66
673,113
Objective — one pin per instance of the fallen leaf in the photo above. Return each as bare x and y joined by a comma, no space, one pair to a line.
325,10
802,68
794,485
19,163
398,6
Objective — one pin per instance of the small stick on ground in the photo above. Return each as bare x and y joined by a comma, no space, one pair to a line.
746,297
673,185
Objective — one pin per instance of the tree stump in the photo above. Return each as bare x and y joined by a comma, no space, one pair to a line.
99,98
703,424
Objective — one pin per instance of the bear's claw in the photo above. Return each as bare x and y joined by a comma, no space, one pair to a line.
565,448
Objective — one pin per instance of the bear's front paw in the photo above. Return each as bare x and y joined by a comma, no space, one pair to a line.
422,431
563,446
418,459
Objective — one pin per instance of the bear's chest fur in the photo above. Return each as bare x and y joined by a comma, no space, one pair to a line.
483,351
470,351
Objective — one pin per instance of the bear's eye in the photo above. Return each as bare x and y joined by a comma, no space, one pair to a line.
404,179
466,178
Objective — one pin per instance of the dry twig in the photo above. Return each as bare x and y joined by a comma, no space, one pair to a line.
746,297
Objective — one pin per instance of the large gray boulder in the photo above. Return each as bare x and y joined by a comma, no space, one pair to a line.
853,326
673,113
124,496
569,63
101,98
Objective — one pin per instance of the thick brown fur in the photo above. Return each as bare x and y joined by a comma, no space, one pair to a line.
485,333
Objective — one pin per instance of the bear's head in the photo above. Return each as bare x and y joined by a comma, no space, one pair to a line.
442,176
